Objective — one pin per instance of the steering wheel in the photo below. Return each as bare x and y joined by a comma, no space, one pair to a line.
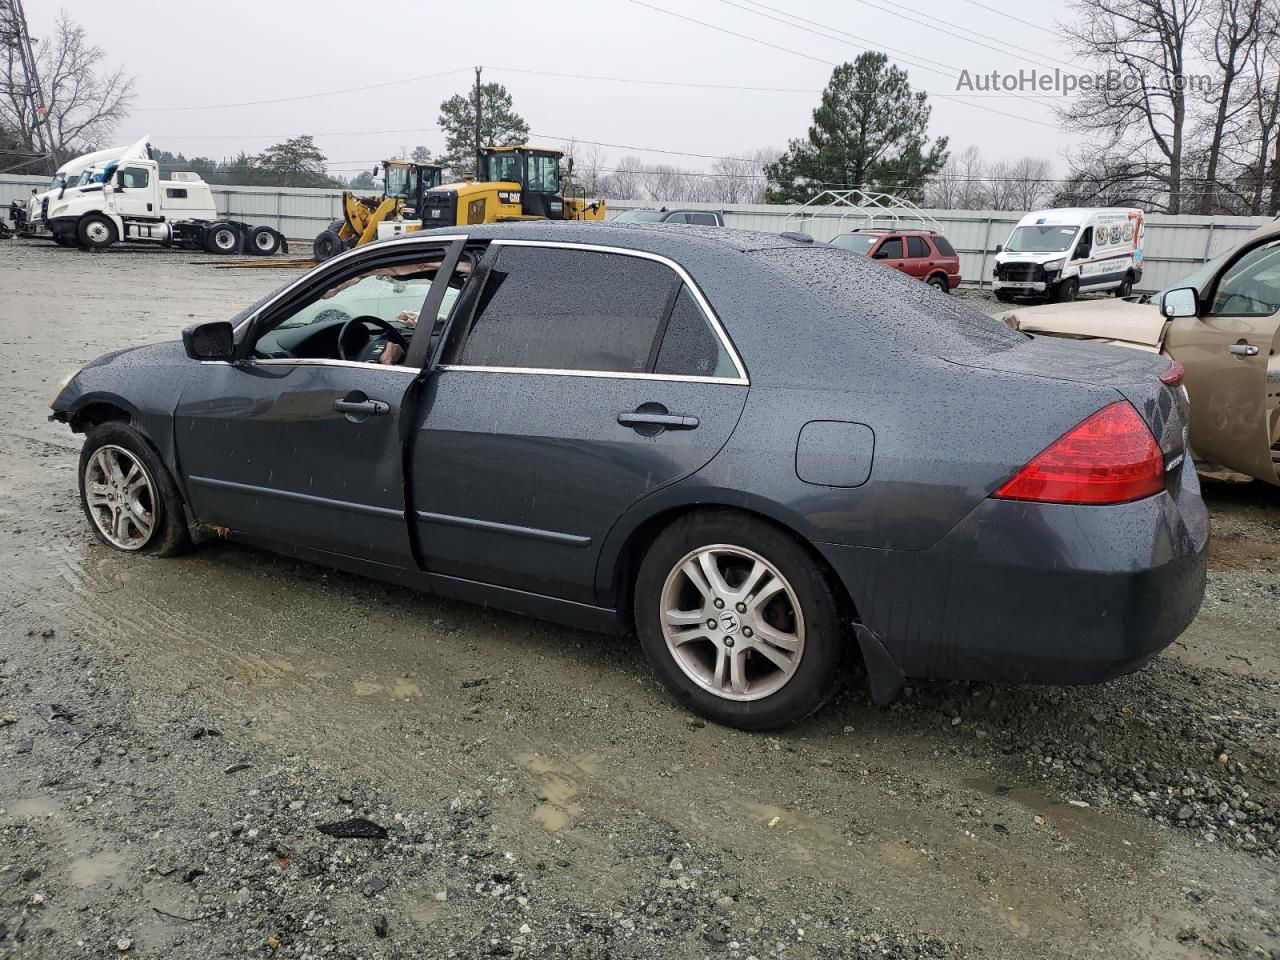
347,349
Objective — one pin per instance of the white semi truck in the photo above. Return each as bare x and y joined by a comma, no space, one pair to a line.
117,196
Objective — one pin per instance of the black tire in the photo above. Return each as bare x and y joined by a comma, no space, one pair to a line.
96,232
168,535
62,241
222,238
816,676
939,283
1004,296
263,241
1126,286
327,244
1067,290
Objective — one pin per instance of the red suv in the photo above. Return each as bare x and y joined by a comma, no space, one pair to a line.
923,254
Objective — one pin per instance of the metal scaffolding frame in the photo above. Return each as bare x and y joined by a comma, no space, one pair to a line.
867,207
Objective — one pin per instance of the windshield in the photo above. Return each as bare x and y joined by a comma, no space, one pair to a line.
504,166
856,242
1041,238
397,181
640,216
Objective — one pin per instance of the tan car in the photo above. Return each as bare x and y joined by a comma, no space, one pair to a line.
1221,323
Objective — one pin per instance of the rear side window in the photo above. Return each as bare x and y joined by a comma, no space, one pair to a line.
689,346
553,308
944,245
705,219
916,247
891,249
175,193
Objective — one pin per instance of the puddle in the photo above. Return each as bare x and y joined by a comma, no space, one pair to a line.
93,870
560,786
1069,818
34,807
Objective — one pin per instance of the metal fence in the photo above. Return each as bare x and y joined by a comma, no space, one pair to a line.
1174,245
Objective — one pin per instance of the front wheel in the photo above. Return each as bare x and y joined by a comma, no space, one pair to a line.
1004,296
1068,290
96,232
738,620
130,499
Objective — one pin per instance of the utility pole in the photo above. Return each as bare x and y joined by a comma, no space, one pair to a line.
479,161
1275,163
14,33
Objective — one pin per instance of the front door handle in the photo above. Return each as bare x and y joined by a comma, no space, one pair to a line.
357,410
1243,349
668,421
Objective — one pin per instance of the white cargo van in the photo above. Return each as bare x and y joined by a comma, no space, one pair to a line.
1057,254
117,195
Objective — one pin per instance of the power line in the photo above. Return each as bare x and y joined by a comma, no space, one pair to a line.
308,96
1010,16
743,36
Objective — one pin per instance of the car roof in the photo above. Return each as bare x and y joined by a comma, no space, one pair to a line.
647,237
882,231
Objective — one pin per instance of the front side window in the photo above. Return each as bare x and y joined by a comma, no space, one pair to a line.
135,178
1251,285
544,174
504,166
387,295
891,249
396,182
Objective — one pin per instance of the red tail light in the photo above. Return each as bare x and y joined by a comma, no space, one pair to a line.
1173,376
1111,457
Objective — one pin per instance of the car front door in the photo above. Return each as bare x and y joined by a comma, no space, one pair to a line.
299,442
890,253
1233,371
132,192
575,380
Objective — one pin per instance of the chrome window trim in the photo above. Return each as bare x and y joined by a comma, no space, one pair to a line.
349,255
317,362
708,313
598,374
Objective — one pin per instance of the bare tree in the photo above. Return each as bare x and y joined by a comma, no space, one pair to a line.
625,181
1237,26
83,100
1140,115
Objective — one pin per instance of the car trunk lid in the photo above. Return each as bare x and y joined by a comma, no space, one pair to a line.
1123,321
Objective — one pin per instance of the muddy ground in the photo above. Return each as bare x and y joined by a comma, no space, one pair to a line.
174,732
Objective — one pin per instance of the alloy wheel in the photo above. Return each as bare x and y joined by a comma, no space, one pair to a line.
732,622
120,497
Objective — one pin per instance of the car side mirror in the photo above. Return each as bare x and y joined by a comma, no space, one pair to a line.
213,340
1182,302
999,248
879,255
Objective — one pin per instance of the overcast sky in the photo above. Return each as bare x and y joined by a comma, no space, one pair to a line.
190,59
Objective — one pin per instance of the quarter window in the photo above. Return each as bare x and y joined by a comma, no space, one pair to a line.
689,346
554,308
944,246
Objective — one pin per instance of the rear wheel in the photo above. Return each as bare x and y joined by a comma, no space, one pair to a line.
939,283
328,244
263,241
96,232
738,621
131,502
1068,290
1126,286
222,239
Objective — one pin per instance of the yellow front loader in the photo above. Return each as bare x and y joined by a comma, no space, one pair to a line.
404,184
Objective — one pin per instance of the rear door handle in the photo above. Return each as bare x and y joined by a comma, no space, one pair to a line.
668,421
363,408
1243,349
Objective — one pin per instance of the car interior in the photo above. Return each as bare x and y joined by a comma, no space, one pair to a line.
357,317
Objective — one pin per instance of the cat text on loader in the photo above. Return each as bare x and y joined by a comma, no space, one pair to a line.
521,183
403,186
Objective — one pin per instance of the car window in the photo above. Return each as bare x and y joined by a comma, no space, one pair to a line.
855,242
1251,285
561,308
944,245
390,292
916,247
543,173
677,218
1085,245
705,219
1041,238
135,178
689,346
891,249
640,216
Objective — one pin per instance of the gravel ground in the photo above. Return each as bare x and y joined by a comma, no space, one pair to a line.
175,733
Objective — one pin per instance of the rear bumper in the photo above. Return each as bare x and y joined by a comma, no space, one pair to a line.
1037,593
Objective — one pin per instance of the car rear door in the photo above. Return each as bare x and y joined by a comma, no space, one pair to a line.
574,381
917,261
1232,371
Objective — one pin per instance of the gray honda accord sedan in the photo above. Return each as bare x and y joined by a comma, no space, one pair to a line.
762,455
